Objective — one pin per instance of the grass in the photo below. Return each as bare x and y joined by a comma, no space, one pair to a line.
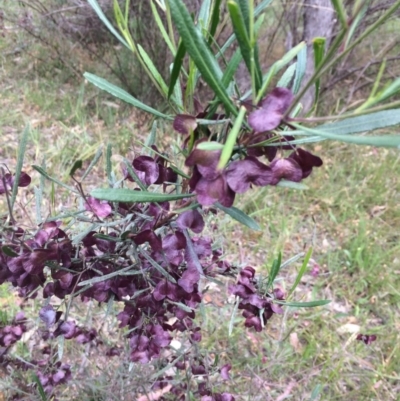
349,216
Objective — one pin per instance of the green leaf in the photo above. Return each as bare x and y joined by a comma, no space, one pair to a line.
96,158
231,68
316,392
108,164
77,166
390,141
231,139
133,174
319,51
41,171
200,53
157,266
153,70
107,23
368,122
287,76
301,66
38,203
105,277
9,251
241,32
239,216
176,169
292,260
162,29
151,139
233,316
276,266
352,125
60,347
341,12
182,306
210,146
248,20
20,162
275,68
257,11
204,16
311,304
214,22
176,69
391,90
40,388
356,22
107,237
292,185
128,195
261,7
123,95
192,254
301,271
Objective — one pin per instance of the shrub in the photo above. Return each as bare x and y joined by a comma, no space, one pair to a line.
140,242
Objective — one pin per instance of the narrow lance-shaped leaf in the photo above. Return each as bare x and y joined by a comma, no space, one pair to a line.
291,185
96,158
319,51
210,146
200,53
241,33
341,12
192,252
150,140
233,316
276,266
104,277
390,141
162,29
301,66
123,95
55,180
108,164
287,76
301,271
214,19
176,69
107,23
239,216
153,70
76,166
157,266
310,304
249,23
133,174
348,126
275,68
20,162
204,16
231,139
128,195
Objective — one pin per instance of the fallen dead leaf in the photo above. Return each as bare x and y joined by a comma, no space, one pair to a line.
348,328
295,342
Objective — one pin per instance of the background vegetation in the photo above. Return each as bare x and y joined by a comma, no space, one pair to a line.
349,215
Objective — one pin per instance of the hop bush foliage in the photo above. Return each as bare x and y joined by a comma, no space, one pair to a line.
144,243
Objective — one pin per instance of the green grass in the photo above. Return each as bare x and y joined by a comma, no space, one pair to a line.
350,216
